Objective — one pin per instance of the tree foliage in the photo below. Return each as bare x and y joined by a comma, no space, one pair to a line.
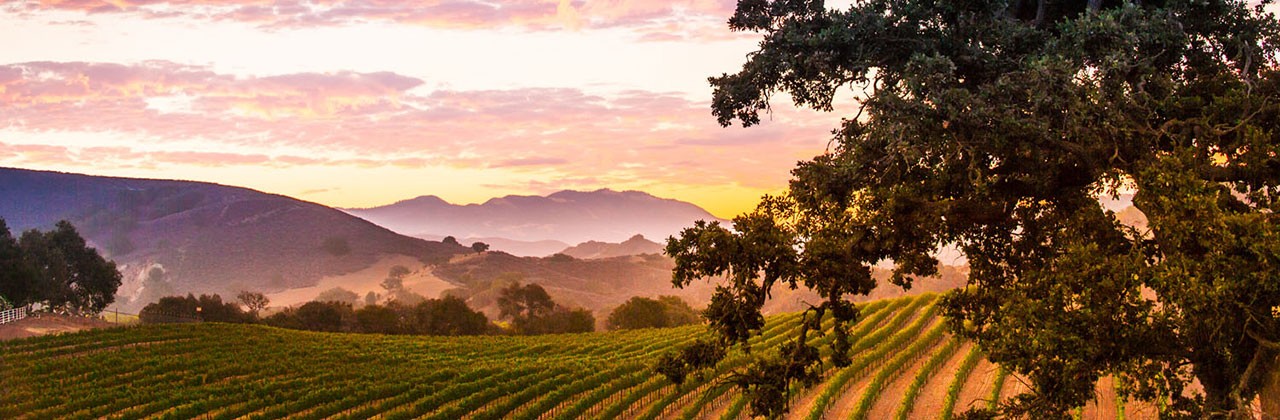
327,316
18,281
59,269
994,127
445,316
189,308
532,311
448,315
642,312
254,302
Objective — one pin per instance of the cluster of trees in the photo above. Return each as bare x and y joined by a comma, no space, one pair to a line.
211,308
445,316
529,309
56,268
643,312
532,311
477,246
995,126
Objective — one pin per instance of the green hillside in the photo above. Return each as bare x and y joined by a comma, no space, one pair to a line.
904,366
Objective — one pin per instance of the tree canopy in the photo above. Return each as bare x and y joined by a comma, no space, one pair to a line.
206,308
254,302
56,268
532,311
18,281
643,312
995,127
448,315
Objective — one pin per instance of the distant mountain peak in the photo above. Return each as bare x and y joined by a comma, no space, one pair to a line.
567,216
637,245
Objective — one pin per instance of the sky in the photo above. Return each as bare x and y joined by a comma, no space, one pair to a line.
359,103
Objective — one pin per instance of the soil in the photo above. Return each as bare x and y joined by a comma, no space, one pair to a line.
43,324
977,387
890,398
935,391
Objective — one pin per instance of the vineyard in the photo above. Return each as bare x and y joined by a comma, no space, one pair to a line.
905,365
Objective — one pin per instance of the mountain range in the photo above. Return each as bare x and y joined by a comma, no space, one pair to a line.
203,237
209,238
568,217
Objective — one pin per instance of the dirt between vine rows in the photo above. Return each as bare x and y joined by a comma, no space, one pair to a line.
44,324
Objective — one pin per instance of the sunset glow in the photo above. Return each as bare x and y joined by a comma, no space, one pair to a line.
355,103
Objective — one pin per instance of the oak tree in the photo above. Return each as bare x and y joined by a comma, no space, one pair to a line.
71,275
994,127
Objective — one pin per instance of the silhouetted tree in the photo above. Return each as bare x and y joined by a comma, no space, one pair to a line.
379,319
994,126
449,240
208,308
523,302
448,316
532,311
324,316
18,282
479,247
71,275
253,301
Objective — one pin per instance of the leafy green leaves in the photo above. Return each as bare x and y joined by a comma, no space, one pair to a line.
995,126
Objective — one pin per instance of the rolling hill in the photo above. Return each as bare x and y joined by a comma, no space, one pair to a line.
567,216
904,365
601,284
207,238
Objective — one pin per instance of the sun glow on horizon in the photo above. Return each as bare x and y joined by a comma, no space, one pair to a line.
374,107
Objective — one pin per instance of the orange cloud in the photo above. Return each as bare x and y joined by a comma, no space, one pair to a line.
156,111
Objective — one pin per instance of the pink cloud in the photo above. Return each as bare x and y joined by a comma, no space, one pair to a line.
654,20
374,119
533,161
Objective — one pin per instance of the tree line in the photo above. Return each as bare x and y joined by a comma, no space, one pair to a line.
57,269
525,309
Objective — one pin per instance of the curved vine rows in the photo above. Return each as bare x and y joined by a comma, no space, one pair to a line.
224,371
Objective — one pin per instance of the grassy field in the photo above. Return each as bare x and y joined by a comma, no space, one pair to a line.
905,366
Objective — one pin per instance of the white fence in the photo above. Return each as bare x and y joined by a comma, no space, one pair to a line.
14,314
